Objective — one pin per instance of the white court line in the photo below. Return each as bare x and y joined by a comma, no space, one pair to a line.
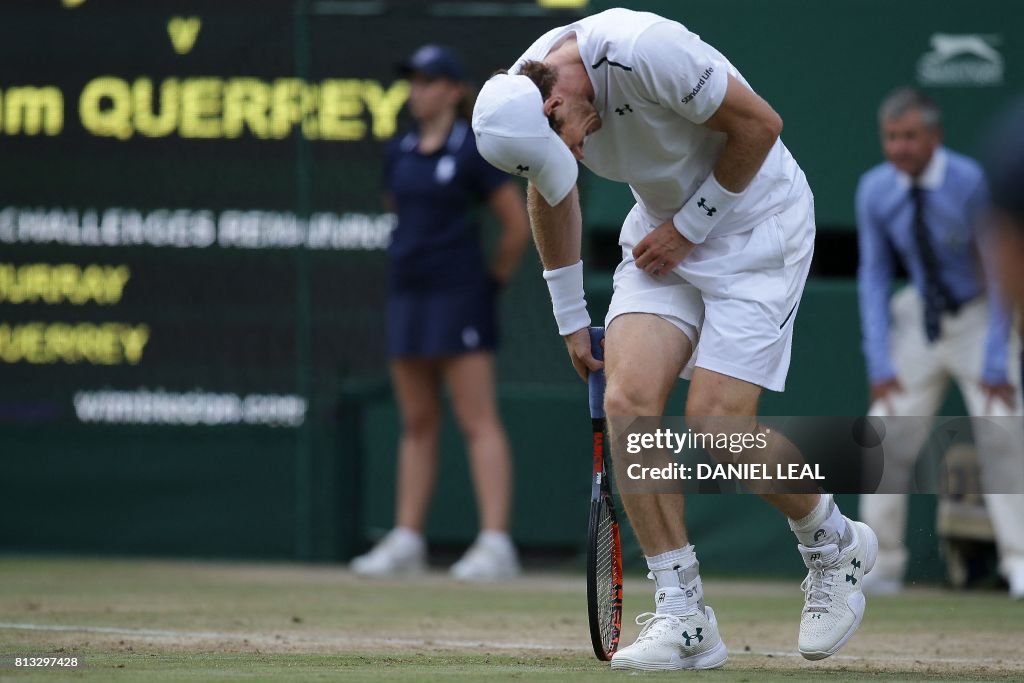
411,642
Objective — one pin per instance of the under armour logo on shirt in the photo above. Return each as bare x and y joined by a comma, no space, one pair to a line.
520,169
621,111
710,209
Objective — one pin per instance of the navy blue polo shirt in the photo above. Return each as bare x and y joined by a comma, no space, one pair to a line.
436,244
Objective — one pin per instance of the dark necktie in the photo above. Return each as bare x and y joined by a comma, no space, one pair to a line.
937,297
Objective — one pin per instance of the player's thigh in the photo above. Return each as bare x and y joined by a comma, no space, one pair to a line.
644,354
751,284
471,383
417,384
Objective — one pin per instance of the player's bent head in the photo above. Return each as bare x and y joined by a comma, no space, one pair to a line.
514,135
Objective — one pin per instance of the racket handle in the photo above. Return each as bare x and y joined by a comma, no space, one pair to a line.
595,380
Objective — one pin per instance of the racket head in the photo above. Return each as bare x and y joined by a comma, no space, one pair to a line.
604,562
604,578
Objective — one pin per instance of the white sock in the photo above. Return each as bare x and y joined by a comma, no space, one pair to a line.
404,536
495,539
676,575
825,524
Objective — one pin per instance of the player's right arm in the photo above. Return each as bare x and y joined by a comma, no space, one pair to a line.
558,234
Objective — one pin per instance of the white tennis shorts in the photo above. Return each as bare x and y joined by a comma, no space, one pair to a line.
734,296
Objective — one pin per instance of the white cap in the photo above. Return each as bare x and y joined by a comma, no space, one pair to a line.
513,134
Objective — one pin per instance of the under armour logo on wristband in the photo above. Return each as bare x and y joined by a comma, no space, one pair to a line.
710,209
520,169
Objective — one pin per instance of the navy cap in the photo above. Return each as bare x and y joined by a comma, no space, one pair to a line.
1005,161
436,61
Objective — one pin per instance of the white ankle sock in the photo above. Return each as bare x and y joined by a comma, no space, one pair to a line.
676,575
407,537
495,539
825,524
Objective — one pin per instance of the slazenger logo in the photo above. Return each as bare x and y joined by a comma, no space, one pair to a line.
965,59
700,84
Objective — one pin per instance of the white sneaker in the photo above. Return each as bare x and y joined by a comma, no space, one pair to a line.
488,559
833,595
670,643
401,552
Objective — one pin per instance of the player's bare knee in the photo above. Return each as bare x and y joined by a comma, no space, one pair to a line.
713,412
631,399
715,401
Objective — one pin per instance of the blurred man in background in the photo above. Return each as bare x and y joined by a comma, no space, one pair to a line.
924,206
442,317
1006,174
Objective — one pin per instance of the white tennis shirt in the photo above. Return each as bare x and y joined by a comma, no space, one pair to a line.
655,83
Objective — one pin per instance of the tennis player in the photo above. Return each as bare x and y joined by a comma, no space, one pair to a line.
714,258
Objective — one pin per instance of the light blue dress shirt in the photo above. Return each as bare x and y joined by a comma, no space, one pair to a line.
954,198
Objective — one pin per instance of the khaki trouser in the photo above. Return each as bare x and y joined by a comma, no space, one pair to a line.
924,370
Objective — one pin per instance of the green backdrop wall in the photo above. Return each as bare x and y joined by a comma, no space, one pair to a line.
254,242
825,66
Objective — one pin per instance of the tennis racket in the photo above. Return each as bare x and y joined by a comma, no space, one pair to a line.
604,552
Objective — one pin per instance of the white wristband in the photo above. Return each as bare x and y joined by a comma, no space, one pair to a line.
702,212
567,298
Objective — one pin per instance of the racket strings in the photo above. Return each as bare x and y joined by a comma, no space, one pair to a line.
605,574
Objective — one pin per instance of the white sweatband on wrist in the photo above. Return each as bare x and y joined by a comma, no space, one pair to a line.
567,298
702,212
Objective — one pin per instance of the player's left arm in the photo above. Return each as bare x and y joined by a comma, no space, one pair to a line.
751,127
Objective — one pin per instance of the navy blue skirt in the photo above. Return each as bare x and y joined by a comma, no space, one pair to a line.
442,323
